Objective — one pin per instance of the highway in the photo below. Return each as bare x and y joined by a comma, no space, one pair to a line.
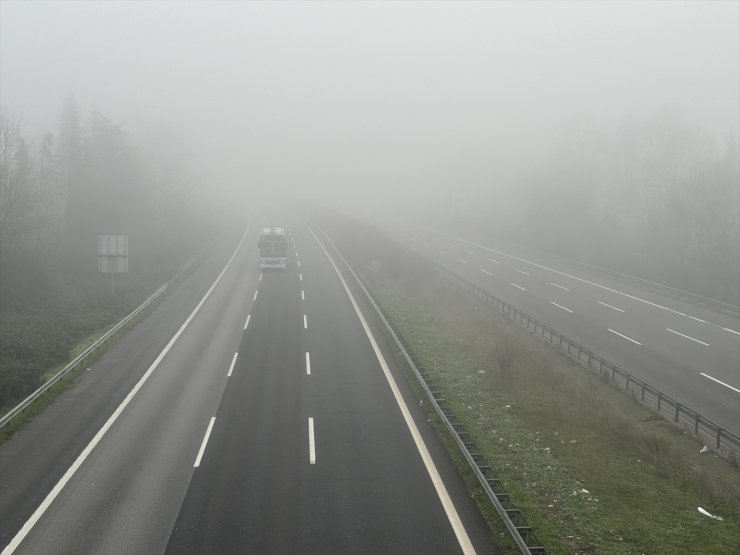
249,413
689,352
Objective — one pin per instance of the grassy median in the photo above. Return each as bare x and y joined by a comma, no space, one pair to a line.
592,471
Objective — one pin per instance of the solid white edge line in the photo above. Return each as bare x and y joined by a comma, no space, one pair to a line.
560,286
610,306
656,305
255,295
449,507
246,323
687,336
308,364
231,366
561,306
736,390
518,287
49,499
305,322
486,272
311,442
204,443
625,337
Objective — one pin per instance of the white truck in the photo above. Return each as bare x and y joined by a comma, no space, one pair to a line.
273,248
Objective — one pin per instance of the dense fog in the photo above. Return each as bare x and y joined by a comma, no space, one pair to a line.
602,131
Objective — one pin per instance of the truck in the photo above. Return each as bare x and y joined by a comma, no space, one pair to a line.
273,248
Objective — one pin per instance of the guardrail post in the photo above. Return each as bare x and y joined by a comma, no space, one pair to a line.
696,424
719,436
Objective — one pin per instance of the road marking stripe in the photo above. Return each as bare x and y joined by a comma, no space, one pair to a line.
449,507
427,245
441,251
687,337
518,287
231,367
610,306
305,322
558,285
486,272
494,261
308,364
625,337
469,251
300,277
461,260
255,295
205,442
311,442
260,276
303,295
720,382
732,331
49,499
560,306
247,322
298,262
521,271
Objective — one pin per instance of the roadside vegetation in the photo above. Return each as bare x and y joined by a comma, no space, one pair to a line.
57,194
592,471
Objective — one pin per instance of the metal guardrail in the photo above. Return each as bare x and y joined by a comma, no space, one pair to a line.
719,439
512,517
77,360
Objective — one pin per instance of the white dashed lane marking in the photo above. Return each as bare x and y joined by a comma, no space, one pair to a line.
687,337
610,306
625,337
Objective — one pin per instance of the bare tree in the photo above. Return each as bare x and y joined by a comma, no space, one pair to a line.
16,193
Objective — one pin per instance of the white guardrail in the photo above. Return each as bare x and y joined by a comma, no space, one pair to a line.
77,360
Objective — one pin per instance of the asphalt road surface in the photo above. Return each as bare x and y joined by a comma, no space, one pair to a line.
689,352
249,413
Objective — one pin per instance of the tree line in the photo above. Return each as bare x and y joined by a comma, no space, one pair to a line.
57,194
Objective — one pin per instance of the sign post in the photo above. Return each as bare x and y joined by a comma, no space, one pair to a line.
113,256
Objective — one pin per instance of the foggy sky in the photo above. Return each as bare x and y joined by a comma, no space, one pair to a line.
367,99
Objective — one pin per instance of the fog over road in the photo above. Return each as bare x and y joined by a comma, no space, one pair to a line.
268,426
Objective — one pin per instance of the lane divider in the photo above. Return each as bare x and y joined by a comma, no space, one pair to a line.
625,337
231,367
736,390
610,306
561,306
308,364
687,336
305,322
204,443
249,317
311,442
